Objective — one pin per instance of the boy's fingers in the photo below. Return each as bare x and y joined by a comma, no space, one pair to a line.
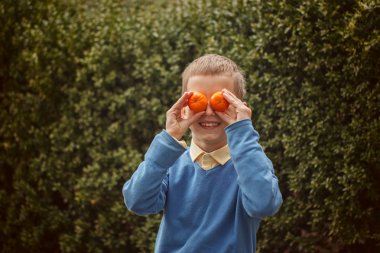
233,96
182,101
240,106
232,99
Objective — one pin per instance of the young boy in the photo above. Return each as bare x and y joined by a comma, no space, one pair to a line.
215,193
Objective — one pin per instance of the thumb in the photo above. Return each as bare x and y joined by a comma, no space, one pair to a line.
195,117
225,117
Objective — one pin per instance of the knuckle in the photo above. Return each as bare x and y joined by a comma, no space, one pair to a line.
169,113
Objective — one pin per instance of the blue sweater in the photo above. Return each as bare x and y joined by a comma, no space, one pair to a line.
213,211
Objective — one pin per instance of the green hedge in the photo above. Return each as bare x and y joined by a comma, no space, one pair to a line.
85,86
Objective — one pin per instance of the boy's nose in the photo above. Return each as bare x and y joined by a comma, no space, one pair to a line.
209,110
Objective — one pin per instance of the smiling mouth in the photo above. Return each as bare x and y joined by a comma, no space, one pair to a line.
209,124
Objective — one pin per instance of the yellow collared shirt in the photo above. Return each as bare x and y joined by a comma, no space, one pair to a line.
208,161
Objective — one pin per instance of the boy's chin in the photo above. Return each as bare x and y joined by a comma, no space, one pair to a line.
210,137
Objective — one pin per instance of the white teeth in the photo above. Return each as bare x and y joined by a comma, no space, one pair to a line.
209,124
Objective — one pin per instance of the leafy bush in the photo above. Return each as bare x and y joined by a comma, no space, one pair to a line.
85,86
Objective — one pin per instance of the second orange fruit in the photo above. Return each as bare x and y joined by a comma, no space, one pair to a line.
197,102
218,102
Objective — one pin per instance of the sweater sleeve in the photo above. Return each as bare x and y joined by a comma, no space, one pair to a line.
145,192
261,195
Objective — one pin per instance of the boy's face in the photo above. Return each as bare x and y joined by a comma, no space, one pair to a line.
208,132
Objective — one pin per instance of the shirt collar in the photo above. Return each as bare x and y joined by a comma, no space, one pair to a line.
221,155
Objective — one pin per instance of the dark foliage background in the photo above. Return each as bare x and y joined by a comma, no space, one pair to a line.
85,86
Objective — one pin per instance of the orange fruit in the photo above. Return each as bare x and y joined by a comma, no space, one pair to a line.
218,102
197,102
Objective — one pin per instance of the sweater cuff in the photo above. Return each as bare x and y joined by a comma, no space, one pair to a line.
164,150
238,124
241,133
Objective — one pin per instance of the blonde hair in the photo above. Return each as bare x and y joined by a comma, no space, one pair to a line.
213,64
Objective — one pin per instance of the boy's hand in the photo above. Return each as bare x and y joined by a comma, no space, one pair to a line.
238,110
176,123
